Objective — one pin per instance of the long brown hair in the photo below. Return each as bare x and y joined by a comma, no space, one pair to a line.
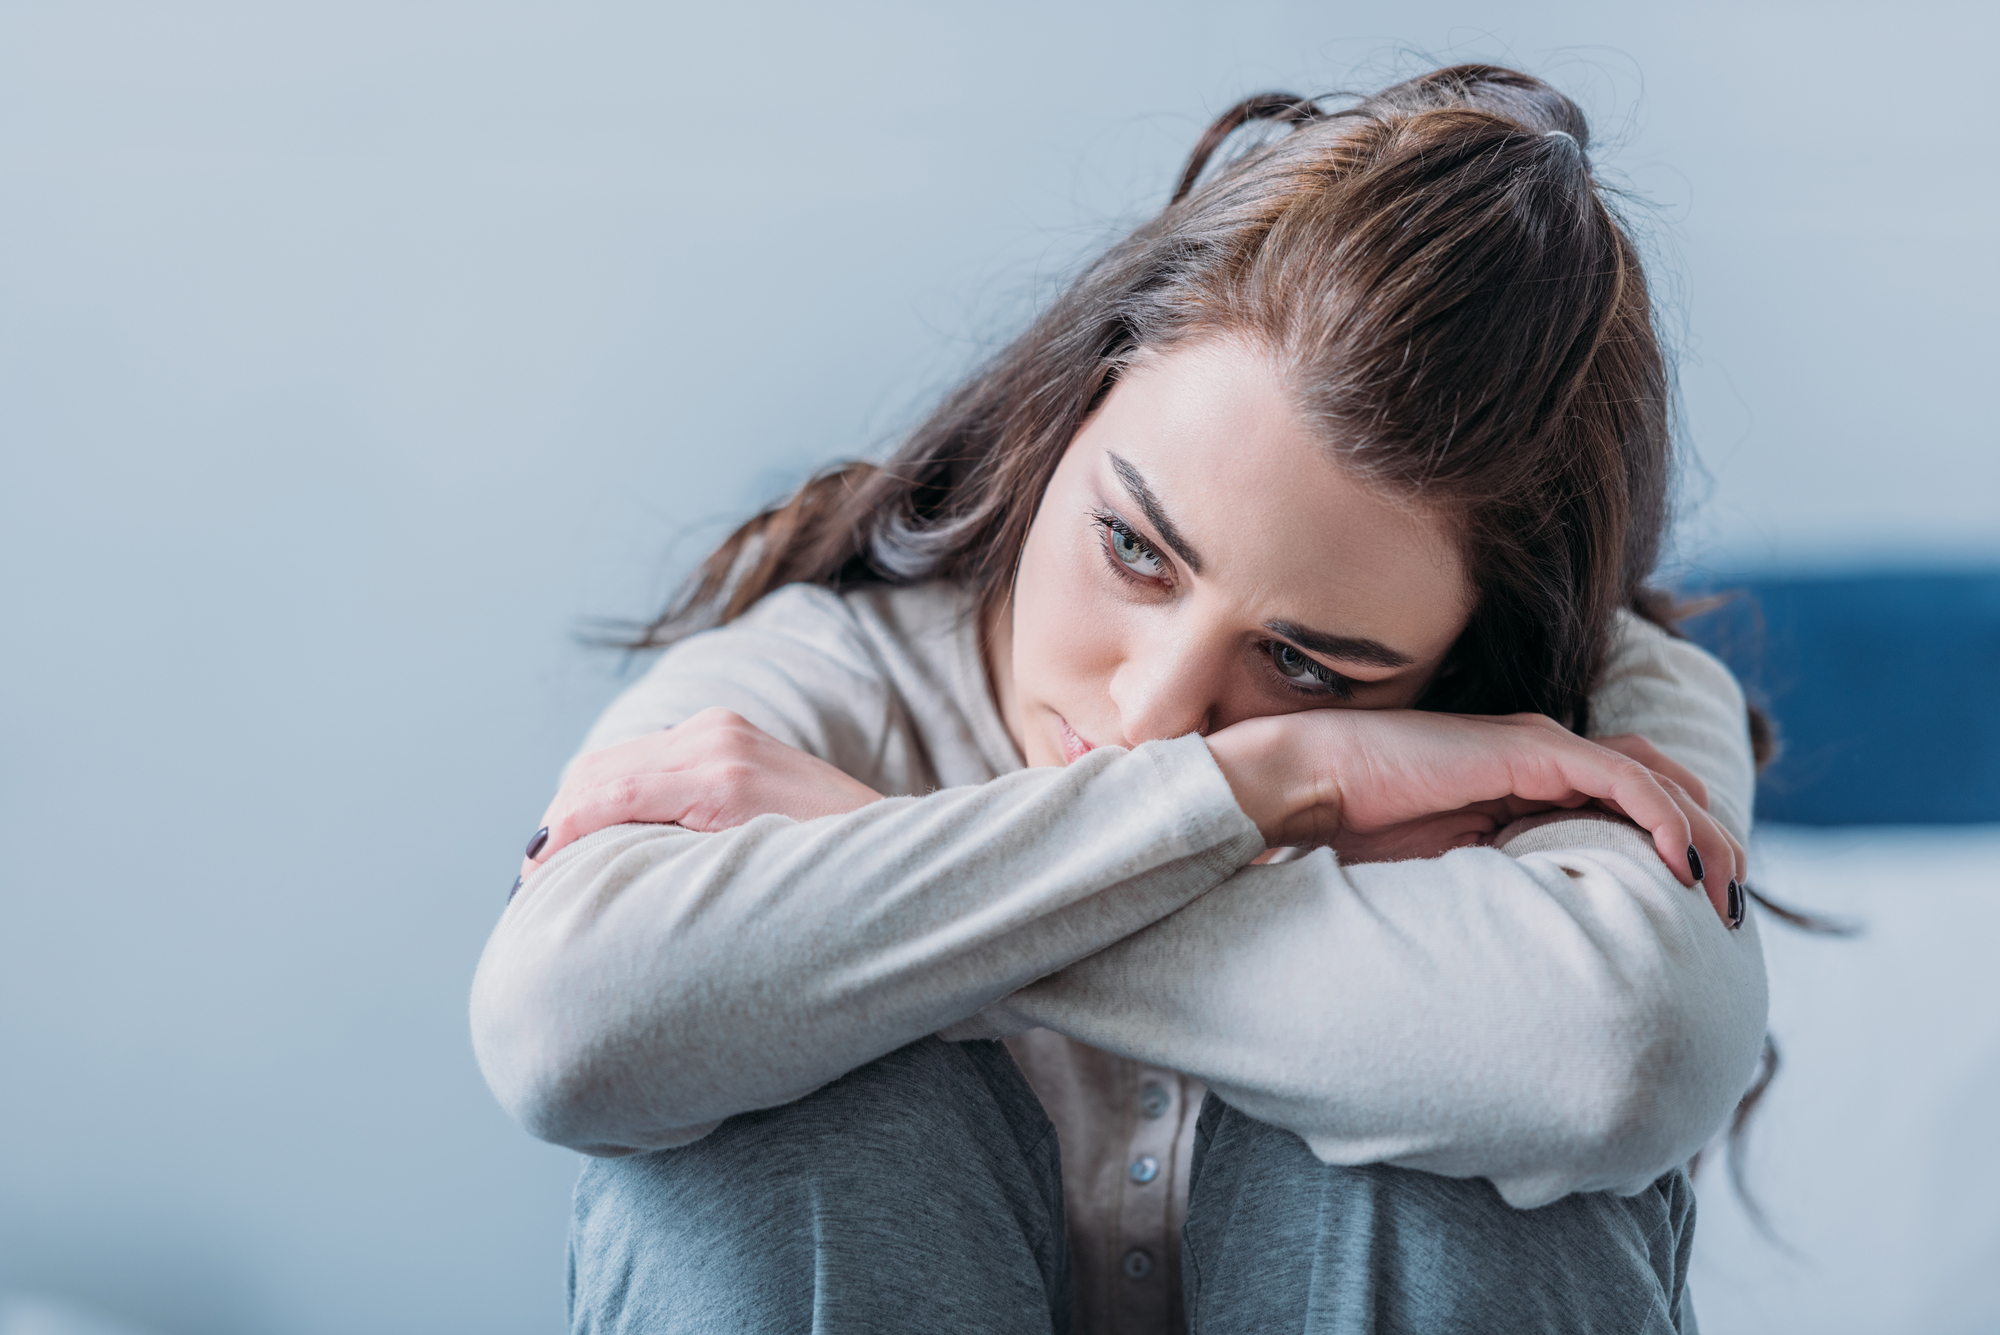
1454,302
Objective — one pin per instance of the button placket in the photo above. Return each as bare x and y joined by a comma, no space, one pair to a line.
1146,1201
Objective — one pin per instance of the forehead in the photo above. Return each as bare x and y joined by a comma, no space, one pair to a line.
1281,529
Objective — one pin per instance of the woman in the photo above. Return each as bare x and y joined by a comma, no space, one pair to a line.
1198,699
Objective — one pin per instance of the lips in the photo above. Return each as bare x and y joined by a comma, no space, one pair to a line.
1074,747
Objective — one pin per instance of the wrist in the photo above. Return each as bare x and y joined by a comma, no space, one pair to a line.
1269,765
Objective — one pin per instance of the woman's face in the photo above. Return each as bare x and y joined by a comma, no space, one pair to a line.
1197,560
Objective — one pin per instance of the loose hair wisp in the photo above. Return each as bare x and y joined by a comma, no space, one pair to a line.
1453,307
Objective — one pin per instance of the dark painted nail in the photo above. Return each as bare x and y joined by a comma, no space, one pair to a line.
515,891
1735,906
535,844
1694,859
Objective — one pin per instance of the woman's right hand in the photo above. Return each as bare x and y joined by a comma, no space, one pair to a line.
713,772
1406,777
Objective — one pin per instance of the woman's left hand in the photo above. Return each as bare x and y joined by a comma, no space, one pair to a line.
1437,834
713,772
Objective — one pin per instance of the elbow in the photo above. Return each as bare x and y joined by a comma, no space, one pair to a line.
544,1049
574,1069
540,1075
1679,1072
558,1091
597,1013
548,1095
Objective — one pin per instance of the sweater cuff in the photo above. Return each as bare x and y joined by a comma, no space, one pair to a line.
1212,824
1603,832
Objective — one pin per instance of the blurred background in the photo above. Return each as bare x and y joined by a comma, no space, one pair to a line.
354,356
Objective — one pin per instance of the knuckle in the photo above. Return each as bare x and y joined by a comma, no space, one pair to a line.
715,716
734,775
721,749
623,794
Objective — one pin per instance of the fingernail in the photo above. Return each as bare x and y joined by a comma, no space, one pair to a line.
1694,859
517,890
1735,906
542,837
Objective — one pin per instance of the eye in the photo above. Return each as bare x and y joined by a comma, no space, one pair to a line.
1130,550
1305,673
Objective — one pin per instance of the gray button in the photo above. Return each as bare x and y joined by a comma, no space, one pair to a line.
1144,1169
1154,1099
1138,1265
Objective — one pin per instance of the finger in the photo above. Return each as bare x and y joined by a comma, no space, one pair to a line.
1638,748
1739,858
1635,792
538,843
659,797
1554,766
663,749
1711,848
1705,833
1690,842
1723,858
1716,850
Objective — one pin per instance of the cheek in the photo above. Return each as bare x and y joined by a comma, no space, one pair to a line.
1066,625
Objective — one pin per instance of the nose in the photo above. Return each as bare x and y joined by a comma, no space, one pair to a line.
1172,685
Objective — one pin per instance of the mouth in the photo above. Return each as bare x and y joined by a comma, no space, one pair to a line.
1074,747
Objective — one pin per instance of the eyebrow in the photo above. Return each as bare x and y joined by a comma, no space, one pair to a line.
1156,514
1346,648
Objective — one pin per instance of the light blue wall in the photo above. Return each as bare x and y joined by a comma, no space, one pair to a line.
351,353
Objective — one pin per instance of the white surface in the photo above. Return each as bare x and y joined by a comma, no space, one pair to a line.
1877,1154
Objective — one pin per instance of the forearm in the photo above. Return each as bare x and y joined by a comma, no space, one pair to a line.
1569,1019
650,981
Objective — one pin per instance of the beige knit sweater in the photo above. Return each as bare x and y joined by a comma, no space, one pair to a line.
1555,1013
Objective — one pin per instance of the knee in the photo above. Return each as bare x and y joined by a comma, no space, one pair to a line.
879,1122
920,1155
1273,1234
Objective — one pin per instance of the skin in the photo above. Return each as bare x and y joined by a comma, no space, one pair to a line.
1199,564
1126,626
1182,572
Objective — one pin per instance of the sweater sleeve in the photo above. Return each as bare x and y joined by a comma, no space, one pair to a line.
1556,1014
795,665
650,981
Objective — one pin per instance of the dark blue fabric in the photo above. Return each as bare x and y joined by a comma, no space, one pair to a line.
1885,688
